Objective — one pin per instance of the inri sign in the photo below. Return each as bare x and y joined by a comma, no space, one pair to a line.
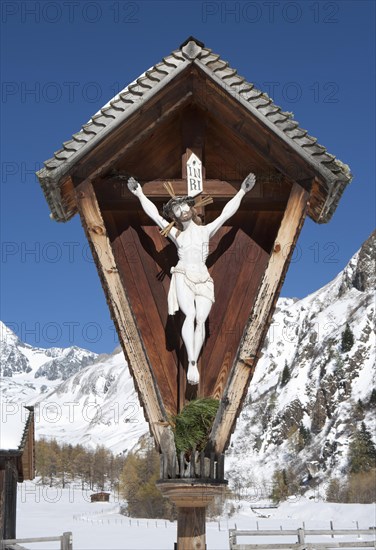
194,175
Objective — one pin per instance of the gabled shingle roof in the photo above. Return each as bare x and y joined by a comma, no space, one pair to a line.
336,174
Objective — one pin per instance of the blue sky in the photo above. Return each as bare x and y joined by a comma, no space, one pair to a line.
62,61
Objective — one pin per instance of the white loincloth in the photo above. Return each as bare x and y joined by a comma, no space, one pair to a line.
201,284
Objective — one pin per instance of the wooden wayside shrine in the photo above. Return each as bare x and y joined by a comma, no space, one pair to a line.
192,102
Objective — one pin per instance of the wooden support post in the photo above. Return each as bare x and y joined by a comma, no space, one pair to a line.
191,498
66,541
232,538
191,529
301,536
10,500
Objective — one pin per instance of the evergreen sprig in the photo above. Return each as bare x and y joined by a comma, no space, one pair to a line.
193,424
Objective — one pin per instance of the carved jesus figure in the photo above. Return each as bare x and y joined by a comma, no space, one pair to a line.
191,287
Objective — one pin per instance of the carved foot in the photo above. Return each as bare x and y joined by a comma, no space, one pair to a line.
193,376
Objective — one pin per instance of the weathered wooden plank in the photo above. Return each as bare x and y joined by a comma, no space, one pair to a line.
9,516
192,137
222,272
149,318
269,546
133,280
242,277
166,250
224,339
240,268
191,528
241,373
341,532
144,259
117,189
301,535
121,312
65,540
27,460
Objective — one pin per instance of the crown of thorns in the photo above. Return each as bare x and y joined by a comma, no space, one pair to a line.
167,209
176,201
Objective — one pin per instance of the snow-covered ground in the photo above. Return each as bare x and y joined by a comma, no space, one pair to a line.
45,511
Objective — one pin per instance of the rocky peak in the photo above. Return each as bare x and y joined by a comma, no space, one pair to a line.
360,272
16,358
365,273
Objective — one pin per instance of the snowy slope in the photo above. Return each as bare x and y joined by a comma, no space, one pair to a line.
50,511
96,406
325,383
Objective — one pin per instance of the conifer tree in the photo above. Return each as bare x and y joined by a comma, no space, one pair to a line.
372,399
285,375
280,489
362,451
347,339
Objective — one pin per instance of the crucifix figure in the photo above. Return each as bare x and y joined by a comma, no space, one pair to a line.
191,287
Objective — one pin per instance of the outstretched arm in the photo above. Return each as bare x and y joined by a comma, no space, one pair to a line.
232,206
149,208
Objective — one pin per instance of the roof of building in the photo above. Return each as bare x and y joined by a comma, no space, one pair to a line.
14,423
335,174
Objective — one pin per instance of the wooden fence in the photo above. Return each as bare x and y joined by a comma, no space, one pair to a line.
301,535
13,544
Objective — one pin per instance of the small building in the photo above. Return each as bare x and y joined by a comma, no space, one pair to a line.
17,443
100,497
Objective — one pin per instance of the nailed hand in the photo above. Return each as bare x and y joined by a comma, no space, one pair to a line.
133,186
249,182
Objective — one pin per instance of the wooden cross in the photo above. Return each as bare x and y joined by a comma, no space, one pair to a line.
192,143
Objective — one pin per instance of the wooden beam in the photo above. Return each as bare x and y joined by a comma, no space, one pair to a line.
192,138
114,194
191,532
121,312
8,517
115,189
191,497
254,334
211,187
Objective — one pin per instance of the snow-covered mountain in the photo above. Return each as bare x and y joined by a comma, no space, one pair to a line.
83,398
96,406
304,418
79,396
26,371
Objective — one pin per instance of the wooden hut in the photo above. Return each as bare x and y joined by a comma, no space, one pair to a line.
192,102
16,460
100,497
